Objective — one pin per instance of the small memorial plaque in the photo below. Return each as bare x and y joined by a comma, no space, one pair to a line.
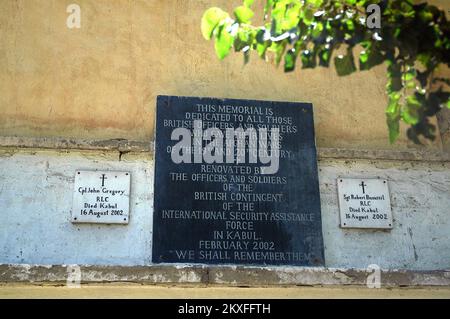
101,197
364,203
236,183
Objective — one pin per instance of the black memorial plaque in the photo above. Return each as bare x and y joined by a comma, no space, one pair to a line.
218,202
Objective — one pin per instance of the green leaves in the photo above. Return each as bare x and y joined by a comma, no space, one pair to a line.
393,116
345,64
216,22
289,61
242,40
261,49
315,3
394,77
370,57
317,30
393,108
410,111
324,57
308,59
313,31
248,3
363,57
210,20
307,16
279,51
394,129
243,14
223,43
291,17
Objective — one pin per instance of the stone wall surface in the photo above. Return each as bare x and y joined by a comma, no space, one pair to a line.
85,98
36,190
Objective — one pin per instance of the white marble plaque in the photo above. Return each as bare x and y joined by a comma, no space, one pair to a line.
364,203
101,197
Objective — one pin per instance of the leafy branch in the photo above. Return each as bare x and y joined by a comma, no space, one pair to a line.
412,40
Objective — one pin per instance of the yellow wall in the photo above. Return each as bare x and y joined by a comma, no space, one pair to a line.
101,81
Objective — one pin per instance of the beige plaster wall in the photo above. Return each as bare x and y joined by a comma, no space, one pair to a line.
101,81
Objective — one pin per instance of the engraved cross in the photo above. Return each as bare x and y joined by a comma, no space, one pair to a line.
103,179
362,186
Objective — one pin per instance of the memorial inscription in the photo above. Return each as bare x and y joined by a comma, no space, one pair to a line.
101,197
364,203
236,183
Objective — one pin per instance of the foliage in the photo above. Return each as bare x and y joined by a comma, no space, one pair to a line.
412,40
